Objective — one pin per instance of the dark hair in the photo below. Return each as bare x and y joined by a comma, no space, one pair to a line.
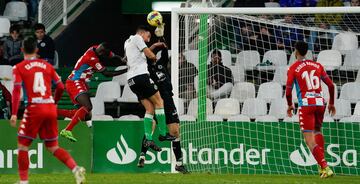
39,26
217,52
301,47
142,28
14,28
29,45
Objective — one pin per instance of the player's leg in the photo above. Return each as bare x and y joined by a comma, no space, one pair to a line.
307,124
66,113
158,103
148,119
85,107
144,149
23,159
63,156
319,139
27,132
172,121
49,133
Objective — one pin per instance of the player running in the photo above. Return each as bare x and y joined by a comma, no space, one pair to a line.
77,88
140,83
40,117
307,76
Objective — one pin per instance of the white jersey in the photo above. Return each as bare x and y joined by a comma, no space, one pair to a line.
136,59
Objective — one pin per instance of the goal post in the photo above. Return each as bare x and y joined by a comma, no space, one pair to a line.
234,118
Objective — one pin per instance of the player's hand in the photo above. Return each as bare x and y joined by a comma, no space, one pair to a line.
290,111
332,109
159,31
13,120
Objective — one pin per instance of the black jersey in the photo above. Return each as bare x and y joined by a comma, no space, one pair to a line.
159,72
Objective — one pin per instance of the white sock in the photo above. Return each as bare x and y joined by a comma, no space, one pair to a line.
74,170
24,182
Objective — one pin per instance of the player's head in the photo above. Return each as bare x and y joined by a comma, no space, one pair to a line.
144,32
39,31
216,57
29,46
301,48
103,50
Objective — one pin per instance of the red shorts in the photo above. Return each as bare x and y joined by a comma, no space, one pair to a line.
39,119
75,88
311,117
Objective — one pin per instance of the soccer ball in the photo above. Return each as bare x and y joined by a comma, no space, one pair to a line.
154,18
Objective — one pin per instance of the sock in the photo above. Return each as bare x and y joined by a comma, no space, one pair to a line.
143,148
65,158
319,139
66,113
160,117
148,126
79,115
23,164
318,153
177,151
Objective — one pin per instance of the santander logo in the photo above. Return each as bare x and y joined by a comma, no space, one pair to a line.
121,154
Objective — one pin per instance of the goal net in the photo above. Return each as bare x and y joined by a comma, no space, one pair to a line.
229,72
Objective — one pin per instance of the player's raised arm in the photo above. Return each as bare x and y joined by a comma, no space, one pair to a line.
326,79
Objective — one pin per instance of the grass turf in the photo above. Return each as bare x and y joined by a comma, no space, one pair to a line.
182,179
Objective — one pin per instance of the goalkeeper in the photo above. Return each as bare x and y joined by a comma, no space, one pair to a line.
160,75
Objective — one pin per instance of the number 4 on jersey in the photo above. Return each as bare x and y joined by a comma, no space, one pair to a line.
39,85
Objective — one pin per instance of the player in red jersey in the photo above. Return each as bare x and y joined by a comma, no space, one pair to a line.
306,75
40,117
77,88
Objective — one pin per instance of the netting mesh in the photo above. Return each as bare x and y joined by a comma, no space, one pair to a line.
239,89
52,11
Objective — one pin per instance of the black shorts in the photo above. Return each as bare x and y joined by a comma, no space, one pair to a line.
142,86
169,107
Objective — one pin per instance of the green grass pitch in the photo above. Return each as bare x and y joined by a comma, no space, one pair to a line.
182,179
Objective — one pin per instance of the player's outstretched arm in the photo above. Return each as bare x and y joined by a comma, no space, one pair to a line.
107,73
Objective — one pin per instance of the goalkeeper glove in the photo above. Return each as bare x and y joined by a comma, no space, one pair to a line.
159,31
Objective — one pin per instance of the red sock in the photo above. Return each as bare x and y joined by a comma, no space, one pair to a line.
23,164
65,158
319,139
318,153
66,113
79,115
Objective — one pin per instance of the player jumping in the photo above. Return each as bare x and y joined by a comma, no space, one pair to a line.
140,83
160,75
77,88
307,76
40,117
